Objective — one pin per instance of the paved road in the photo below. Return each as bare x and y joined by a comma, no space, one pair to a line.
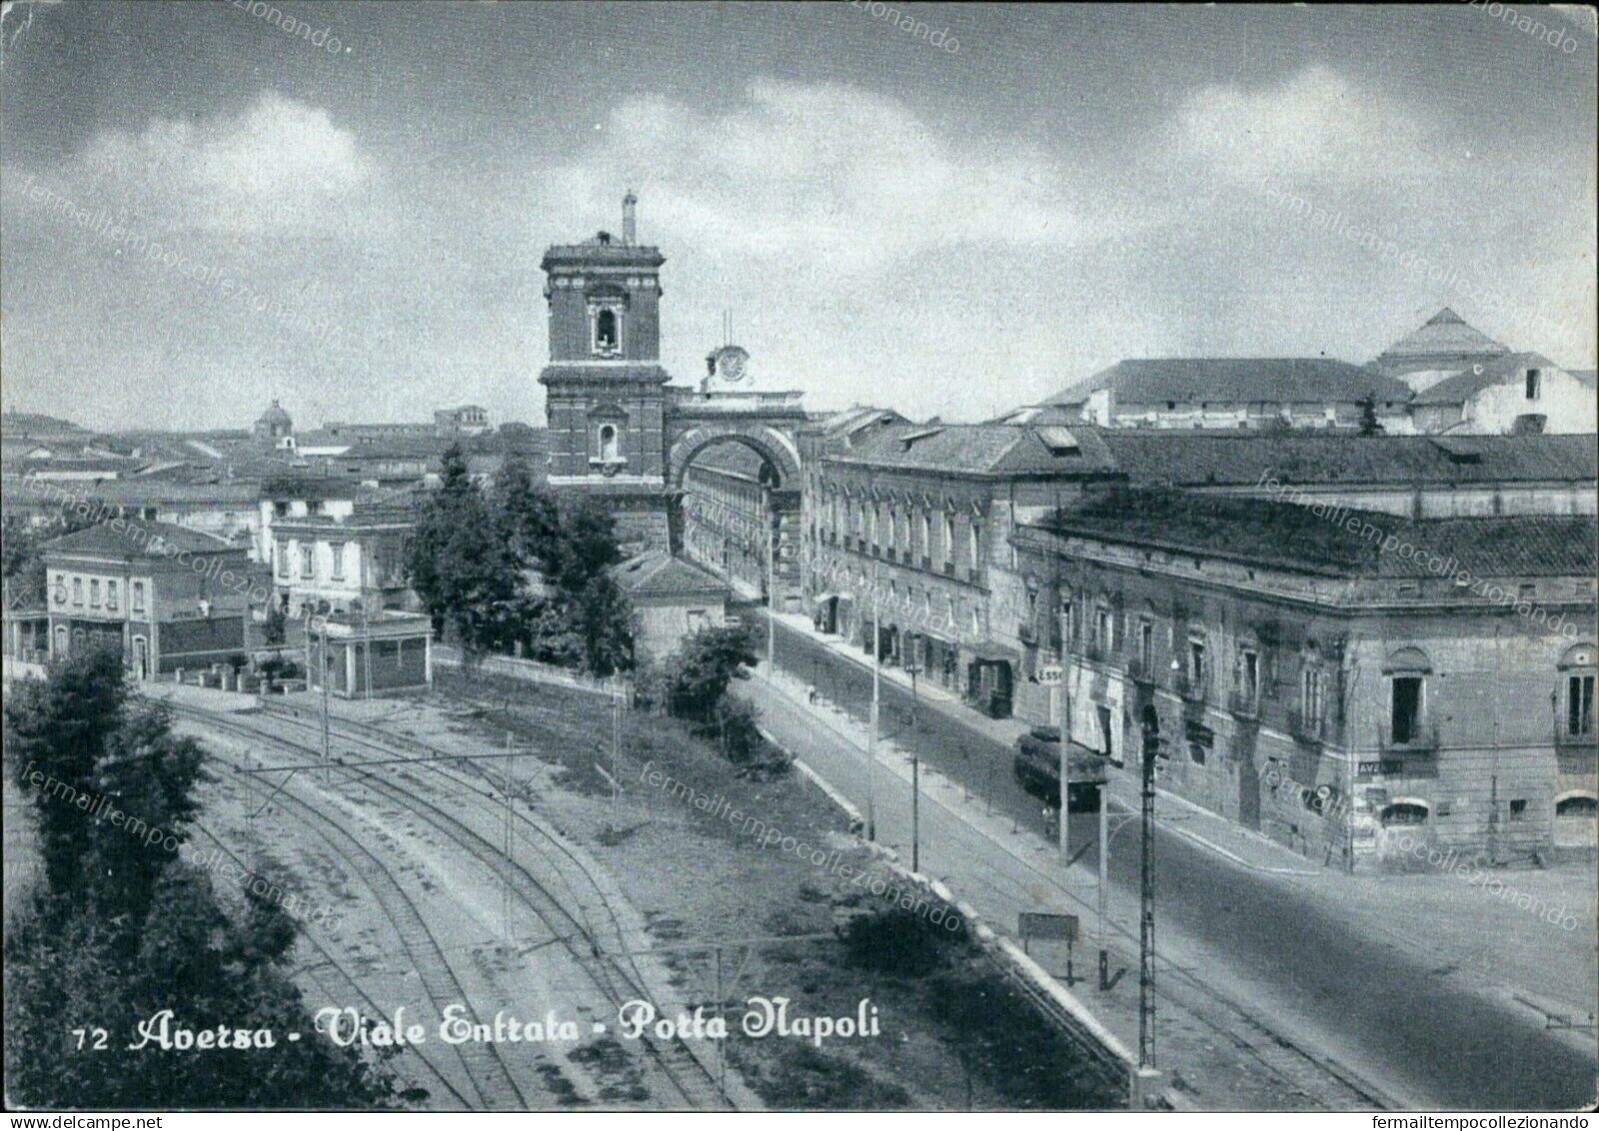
1430,1038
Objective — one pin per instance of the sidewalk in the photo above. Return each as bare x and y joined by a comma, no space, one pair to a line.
1209,830
1464,931
1002,867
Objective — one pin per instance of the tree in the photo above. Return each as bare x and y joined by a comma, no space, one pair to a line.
606,620
1369,424
275,629
709,662
21,540
527,515
460,567
586,547
122,928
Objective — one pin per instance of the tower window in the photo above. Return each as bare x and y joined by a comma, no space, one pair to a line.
607,337
610,446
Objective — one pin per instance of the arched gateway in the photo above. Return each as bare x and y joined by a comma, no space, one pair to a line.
621,433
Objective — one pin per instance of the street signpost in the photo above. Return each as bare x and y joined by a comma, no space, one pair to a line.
1043,925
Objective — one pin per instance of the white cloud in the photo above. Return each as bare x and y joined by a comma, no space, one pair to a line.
850,178
1315,125
279,165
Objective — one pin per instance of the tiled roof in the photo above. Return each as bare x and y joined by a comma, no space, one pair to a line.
1587,376
1337,541
655,573
1249,380
85,464
1445,333
1466,384
981,449
135,539
153,492
1233,459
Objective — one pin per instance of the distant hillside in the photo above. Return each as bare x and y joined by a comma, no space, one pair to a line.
35,423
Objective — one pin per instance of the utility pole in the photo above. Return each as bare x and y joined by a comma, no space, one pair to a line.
1063,699
505,875
1065,737
327,753
1104,877
366,629
916,811
771,589
616,753
871,744
1146,918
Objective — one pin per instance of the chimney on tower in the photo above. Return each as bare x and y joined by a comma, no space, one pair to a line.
629,218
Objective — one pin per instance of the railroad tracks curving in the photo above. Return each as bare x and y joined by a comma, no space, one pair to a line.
617,973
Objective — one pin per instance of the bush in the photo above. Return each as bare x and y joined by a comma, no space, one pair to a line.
896,941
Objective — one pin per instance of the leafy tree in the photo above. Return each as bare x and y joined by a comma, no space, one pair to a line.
460,568
21,540
275,629
122,928
60,728
709,662
737,724
1369,424
606,624
526,514
585,548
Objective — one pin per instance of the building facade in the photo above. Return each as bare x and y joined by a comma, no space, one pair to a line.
1349,700
604,384
344,558
911,526
164,596
732,512
1238,393
672,599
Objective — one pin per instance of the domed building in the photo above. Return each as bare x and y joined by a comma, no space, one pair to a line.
274,427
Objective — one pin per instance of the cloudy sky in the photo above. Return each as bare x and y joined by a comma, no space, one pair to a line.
946,231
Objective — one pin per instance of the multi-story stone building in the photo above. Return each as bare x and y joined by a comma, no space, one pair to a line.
605,386
345,556
1233,393
165,596
1463,381
732,506
618,433
1413,476
1350,683
911,525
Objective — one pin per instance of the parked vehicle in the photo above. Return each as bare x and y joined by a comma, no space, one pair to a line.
1037,768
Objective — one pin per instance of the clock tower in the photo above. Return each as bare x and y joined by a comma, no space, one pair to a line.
604,385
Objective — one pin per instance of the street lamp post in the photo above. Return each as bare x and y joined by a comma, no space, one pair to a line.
871,746
1146,918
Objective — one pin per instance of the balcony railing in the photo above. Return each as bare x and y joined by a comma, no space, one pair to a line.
1194,689
1423,738
1096,651
1244,702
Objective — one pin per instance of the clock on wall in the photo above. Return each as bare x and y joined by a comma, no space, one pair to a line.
732,364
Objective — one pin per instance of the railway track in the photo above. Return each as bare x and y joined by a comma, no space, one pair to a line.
485,1068
351,989
616,974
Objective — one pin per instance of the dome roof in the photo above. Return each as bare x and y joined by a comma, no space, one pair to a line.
275,415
